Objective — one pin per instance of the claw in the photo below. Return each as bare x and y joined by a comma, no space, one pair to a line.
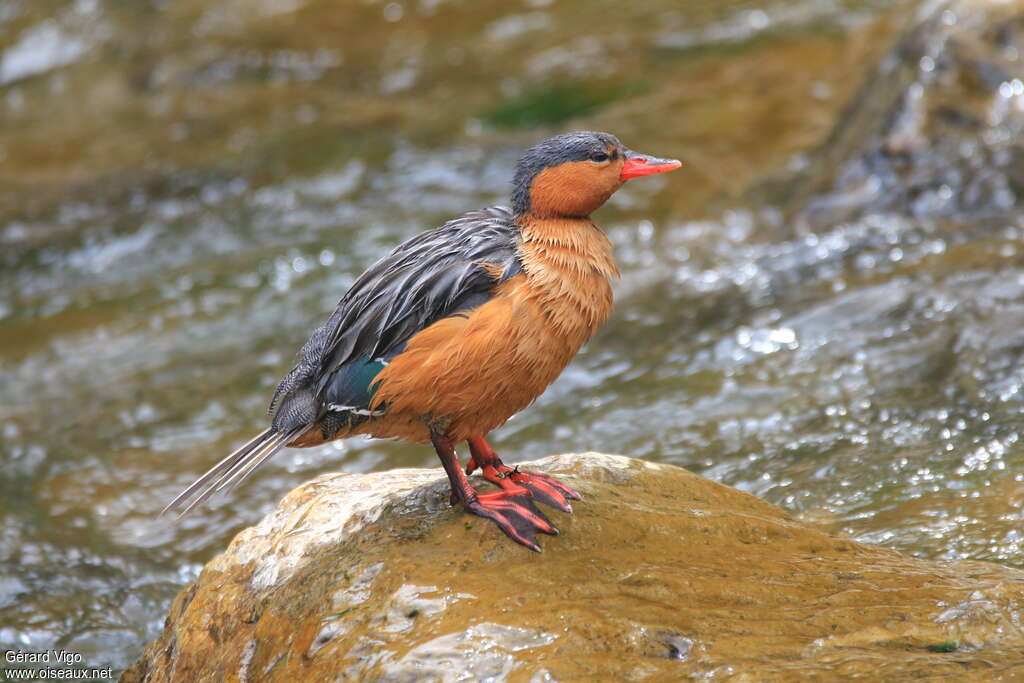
514,513
541,487
510,508
546,489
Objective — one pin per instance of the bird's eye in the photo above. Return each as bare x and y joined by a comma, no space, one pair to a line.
599,157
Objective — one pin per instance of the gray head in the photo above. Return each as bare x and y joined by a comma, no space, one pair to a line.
574,173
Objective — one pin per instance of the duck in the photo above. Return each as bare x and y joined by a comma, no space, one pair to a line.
458,329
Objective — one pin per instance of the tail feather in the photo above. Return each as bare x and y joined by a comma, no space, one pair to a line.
243,468
231,470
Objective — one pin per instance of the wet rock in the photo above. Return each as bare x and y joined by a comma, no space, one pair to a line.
936,133
659,573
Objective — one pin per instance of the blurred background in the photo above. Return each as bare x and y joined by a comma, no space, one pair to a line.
824,307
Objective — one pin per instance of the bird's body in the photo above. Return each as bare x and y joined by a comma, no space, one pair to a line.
458,329
475,367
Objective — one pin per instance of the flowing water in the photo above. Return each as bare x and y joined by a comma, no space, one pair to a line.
824,307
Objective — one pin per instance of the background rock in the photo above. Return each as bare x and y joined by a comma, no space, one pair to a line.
658,574
936,133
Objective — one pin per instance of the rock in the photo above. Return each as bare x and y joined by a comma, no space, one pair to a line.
658,574
936,132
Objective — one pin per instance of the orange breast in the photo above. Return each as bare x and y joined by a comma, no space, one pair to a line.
469,374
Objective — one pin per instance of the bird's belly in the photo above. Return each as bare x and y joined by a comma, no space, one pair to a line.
468,374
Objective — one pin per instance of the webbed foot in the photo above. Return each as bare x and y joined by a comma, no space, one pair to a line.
511,507
542,487
514,513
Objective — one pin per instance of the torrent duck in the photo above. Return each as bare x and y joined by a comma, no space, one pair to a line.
458,329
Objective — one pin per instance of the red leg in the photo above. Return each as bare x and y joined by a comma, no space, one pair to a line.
542,487
510,508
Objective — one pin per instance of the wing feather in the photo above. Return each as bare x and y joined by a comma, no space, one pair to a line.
421,281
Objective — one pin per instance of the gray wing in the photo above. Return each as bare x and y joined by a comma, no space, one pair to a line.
424,279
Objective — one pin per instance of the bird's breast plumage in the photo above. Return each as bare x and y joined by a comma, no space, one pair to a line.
467,374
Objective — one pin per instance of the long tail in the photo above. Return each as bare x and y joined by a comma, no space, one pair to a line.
232,470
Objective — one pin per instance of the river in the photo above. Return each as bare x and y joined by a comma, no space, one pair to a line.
824,307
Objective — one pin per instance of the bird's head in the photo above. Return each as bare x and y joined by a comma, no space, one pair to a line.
573,174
